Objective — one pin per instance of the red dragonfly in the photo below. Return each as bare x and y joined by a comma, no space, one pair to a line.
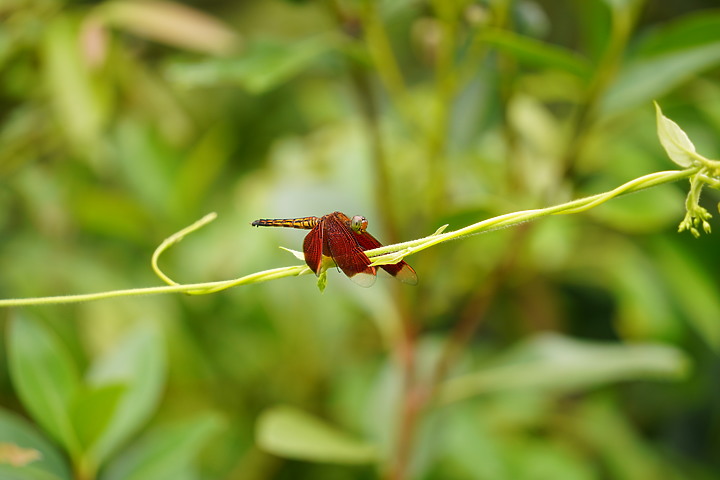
344,240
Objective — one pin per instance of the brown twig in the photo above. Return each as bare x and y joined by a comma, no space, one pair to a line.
411,403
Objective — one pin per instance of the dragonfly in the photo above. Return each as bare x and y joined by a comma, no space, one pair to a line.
344,240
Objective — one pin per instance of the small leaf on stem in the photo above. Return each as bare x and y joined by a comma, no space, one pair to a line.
322,281
675,141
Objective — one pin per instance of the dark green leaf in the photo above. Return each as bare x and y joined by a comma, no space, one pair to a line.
627,455
166,452
202,166
595,29
533,52
26,473
17,431
644,309
139,364
644,79
688,31
695,292
264,65
45,378
24,135
92,411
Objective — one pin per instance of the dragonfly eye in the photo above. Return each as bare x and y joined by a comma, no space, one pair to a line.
358,223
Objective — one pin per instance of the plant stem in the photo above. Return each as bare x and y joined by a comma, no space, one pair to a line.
623,21
349,23
190,288
85,469
410,403
400,250
381,183
381,53
445,88
383,255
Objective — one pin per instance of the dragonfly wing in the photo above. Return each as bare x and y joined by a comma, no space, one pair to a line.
312,247
401,270
348,254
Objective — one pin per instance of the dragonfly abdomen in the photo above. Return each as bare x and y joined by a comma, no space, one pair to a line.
304,223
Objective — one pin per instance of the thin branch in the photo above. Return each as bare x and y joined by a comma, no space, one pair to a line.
396,252
380,256
191,288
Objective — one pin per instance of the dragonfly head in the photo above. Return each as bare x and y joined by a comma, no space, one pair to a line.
358,223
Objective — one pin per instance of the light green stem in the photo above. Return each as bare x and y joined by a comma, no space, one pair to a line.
384,255
400,250
191,288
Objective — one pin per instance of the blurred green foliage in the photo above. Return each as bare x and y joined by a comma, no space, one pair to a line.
581,347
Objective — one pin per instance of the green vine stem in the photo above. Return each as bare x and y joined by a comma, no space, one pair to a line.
380,256
399,251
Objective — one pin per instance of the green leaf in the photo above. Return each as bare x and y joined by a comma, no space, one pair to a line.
202,166
44,377
264,65
693,287
295,253
79,106
595,29
472,446
139,364
322,281
687,31
644,309
533,52
628,455
166,452
554,362
17,431
8,472
292,433
551,457
674,140
643,79
92,411
23,136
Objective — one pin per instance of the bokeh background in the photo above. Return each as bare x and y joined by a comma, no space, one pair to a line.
575,347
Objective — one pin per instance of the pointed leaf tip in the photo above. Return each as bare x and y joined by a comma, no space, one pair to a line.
674,140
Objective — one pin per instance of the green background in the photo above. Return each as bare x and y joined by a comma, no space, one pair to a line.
576,347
